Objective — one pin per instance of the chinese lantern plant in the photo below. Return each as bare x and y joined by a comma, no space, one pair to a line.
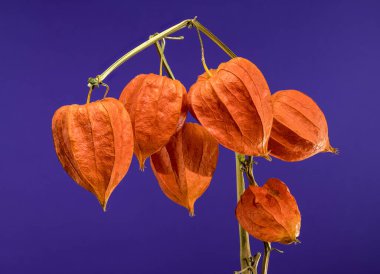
234,107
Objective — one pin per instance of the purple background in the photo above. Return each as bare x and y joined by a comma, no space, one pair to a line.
48,49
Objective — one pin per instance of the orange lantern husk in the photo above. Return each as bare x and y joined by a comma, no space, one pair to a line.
299,127
234,105
270,213
94,143
184,167
157,106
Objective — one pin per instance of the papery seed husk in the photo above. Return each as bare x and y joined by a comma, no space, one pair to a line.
234,105
94,143
299,127
185,166
270,213
157,106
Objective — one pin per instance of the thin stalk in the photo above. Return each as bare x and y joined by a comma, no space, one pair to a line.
267,250
245,249
140,48
160,50
92,88
152,40
215,39
203,54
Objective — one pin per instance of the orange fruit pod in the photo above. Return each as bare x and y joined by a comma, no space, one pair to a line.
269,213
234,105
184,167
299,127
157,107
94,143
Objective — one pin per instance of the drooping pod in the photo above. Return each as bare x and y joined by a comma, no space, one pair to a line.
270,213
184,167
157,107
299,127
94,143
234,105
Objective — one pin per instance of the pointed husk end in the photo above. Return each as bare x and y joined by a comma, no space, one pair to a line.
332,149
103,204
296,241
141,160
266,155
191,210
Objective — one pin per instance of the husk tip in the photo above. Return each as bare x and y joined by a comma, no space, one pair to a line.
333,150
266,156
103,205
141,158
296,241
191,211
142,164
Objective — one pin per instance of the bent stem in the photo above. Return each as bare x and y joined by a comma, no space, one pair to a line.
203,54
155,38
245,249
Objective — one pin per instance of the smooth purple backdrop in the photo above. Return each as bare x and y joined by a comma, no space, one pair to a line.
48,49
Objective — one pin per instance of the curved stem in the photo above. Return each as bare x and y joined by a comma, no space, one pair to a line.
92,88
143,46
203,54
186,23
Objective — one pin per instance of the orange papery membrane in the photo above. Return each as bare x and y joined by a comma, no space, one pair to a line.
269,213
157,106
234,105
94,143
184,167
299,127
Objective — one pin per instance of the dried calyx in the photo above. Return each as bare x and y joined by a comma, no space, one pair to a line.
94,143
299,127
270,213
157,106
184,167
234,105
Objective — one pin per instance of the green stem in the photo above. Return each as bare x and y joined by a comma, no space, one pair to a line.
215,39
203,54
267,250
245,249
152,40
163,61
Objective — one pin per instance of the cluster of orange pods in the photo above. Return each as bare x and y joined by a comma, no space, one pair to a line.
233,104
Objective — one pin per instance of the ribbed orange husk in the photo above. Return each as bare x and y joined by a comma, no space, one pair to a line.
299,127
157,106
94,143
270,213
184,167
234,105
